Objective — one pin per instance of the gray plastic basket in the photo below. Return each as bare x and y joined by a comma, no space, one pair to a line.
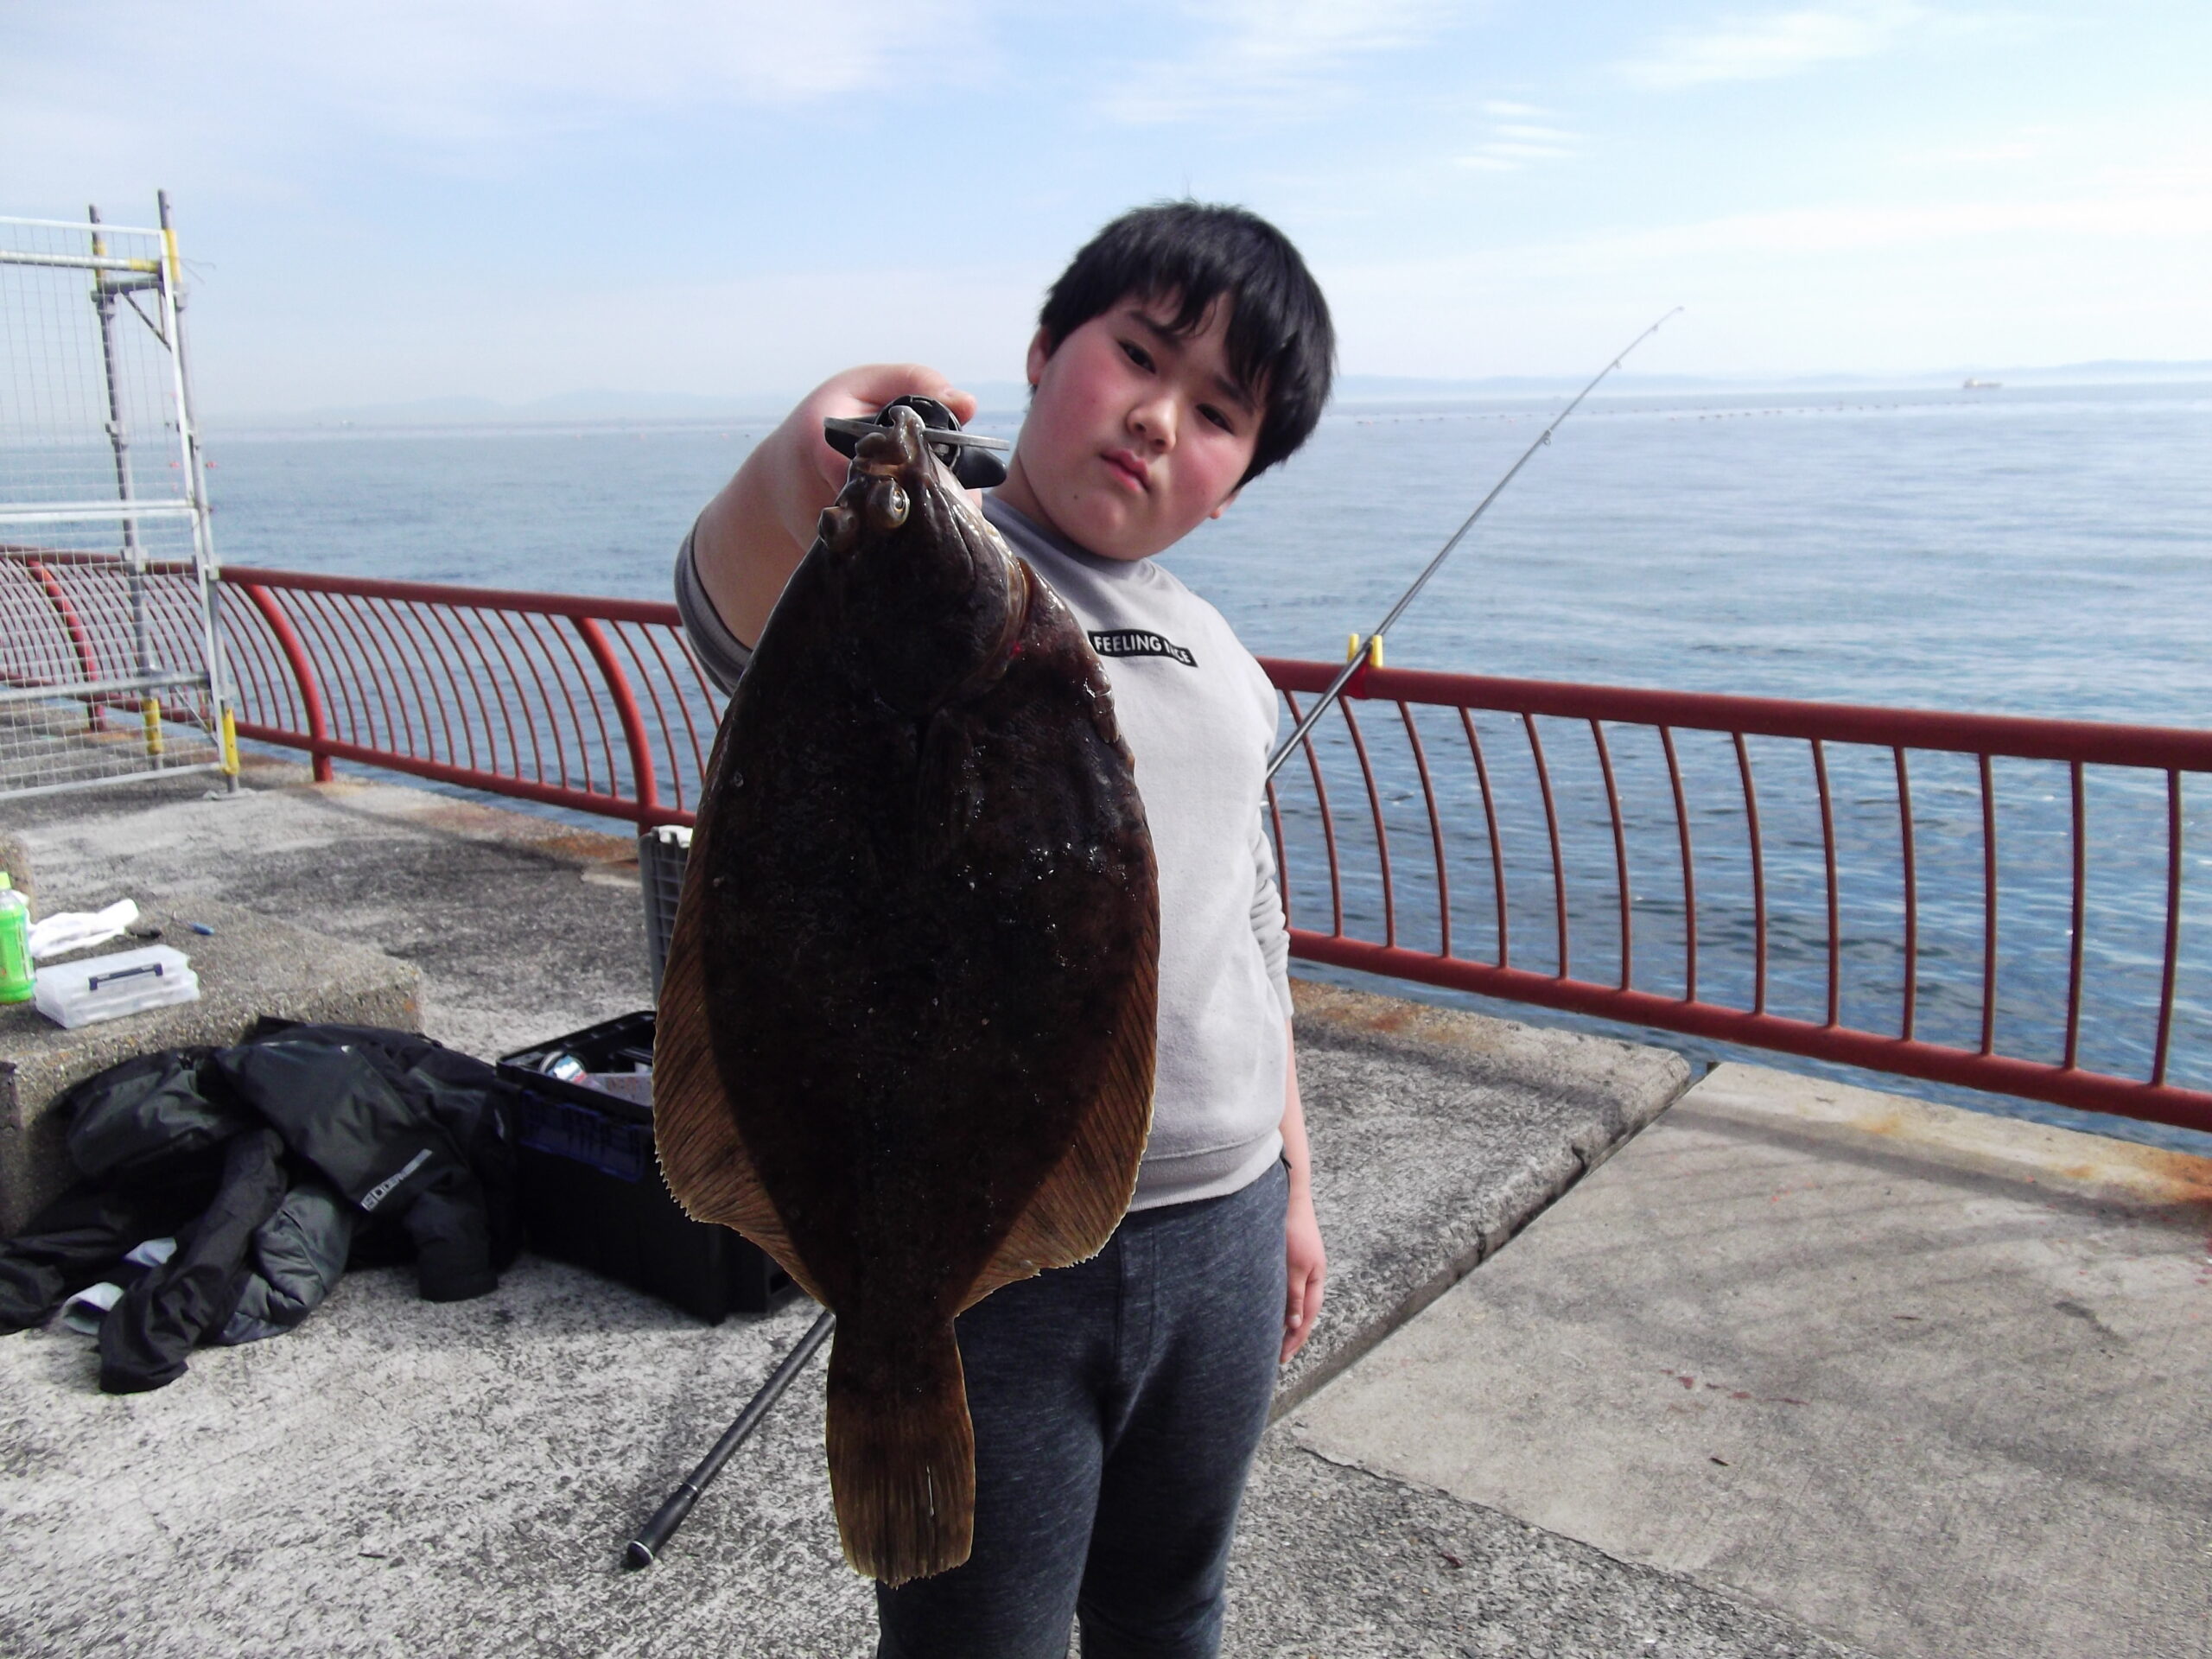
662,854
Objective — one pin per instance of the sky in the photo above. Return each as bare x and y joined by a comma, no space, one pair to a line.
516,198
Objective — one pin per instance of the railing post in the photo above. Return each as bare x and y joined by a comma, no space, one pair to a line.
634,723
295,654
73,625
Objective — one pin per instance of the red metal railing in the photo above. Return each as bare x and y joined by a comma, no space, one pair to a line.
593,704
1913,891
1873,843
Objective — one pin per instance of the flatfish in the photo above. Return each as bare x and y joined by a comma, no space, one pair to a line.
907,1029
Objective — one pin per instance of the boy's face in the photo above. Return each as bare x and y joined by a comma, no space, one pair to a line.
1134,436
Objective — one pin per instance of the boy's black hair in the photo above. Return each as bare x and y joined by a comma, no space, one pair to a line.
1282,347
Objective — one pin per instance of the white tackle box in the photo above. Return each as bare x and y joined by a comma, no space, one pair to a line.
73,993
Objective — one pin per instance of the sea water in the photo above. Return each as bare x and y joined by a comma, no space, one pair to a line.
2042,551
2037,550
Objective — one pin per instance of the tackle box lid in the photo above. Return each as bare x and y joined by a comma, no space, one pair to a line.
73,993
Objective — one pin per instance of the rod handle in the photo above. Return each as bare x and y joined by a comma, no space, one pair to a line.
644,1548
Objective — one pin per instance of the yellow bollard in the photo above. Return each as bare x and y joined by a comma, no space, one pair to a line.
149,711
229,744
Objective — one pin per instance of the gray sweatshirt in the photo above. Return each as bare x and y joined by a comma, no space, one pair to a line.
1199,715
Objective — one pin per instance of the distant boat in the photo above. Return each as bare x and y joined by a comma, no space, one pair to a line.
1973,385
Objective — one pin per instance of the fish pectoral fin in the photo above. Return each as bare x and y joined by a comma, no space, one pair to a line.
948,788
1083,1199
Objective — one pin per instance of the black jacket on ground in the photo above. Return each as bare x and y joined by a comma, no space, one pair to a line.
273,1164
189,1298
416,1136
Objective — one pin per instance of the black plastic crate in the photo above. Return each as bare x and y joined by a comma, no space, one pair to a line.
592,1192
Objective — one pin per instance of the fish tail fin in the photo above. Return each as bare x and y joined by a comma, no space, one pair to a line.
902,1451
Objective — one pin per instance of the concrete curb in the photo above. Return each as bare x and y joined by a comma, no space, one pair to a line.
1868,1122
1437,1136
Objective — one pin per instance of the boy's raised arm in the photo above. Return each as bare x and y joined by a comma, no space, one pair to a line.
752,536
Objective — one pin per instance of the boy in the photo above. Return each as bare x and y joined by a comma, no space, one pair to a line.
1117,1403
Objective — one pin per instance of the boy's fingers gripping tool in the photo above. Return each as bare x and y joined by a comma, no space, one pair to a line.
975,462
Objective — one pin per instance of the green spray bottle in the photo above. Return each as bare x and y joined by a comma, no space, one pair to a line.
16,979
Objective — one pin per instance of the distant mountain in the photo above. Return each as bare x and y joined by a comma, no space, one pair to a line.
1002,401
587,407
1386,388
2105,369
597,404
1402,388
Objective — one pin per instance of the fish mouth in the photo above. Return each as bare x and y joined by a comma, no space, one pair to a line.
899,449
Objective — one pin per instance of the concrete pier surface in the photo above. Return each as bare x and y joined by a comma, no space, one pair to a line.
1929,1380
461,1478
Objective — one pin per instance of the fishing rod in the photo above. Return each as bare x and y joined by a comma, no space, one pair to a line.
1369,647
645,1549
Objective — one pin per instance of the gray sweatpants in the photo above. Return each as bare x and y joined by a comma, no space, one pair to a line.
1117,1404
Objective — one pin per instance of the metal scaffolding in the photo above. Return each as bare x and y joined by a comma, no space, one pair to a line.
112,657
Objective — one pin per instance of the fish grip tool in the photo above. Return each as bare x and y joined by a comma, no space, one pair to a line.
973,458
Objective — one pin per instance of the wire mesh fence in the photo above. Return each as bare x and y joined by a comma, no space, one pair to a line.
111,666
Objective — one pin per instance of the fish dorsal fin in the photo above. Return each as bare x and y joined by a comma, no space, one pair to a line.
703,1158
1082,1200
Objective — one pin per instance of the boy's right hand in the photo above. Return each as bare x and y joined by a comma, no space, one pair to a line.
857,394
752,536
